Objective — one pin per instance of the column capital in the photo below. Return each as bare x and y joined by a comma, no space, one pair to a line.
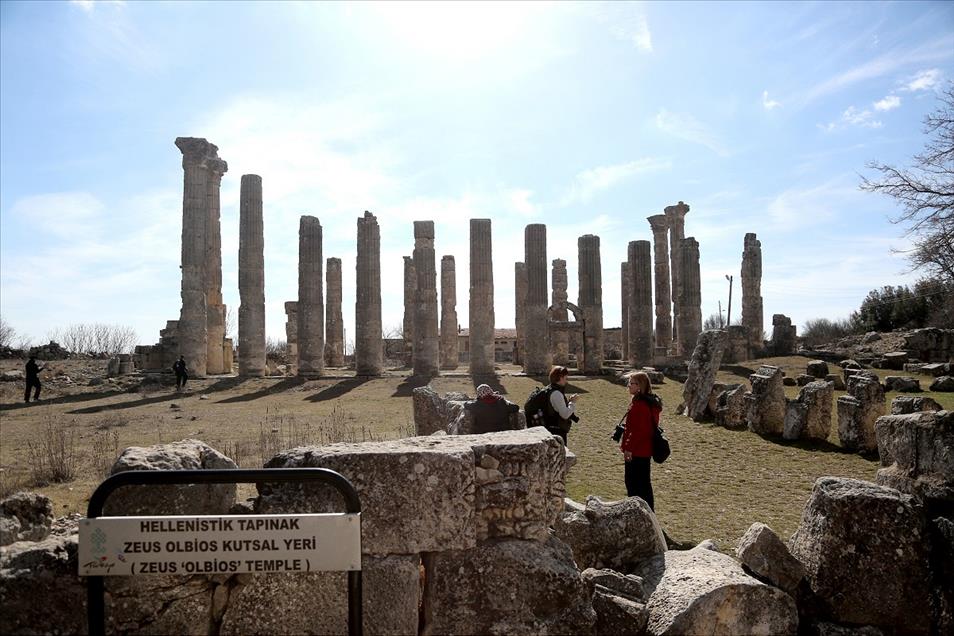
196,150
677,211
658,223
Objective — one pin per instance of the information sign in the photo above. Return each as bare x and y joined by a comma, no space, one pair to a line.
229,544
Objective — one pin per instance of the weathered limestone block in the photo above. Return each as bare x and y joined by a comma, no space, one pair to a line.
29,516
848,363
902,384
904,404
617,614
863,580
836,380
701,591
783,336
943,384
706,358
506,587
159,604
737,344
433,412
931,344
628,585
858,411
192,499
895,360
789,381
765,404
809,415
767,557
917,454
936,369
611,534
317,603
730,411
803,378
817,369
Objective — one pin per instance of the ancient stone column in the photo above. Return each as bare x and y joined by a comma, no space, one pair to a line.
481,298
590,300
626,286
752,318
640,304
251,325
410,284
783,335
334,323
311,299
537,359
291,335
520,316
676,216
368,353
215,308
426,356
192,332
690,304
449,348
560,345
660,226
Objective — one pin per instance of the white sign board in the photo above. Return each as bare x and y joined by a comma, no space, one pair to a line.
227,544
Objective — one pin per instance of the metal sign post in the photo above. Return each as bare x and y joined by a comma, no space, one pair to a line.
96,614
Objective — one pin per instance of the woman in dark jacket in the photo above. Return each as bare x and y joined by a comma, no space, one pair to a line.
491,411
562,406
637,443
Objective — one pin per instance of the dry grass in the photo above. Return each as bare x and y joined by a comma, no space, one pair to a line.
716,483
52,457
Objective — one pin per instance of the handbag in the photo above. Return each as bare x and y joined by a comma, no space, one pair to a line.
620,428
661,449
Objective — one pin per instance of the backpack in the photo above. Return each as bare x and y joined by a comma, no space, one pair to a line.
538,409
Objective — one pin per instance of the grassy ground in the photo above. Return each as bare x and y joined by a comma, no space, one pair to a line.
716,483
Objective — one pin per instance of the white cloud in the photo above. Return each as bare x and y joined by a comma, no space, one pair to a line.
589,182
70,215
637,32
688,128
853,117
89,5
767,103
923,80
890,102
625,21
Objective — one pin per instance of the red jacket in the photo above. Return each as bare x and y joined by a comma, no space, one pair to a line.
641,419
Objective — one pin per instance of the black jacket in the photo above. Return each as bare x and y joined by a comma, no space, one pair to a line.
491,417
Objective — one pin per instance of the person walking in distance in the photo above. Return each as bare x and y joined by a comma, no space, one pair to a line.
179,367
564,406
32,380
637,443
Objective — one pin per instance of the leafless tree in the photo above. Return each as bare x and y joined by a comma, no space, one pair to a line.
925,192
96,338
7,333
230,324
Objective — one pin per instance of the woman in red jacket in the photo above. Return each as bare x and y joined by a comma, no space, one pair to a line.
637,442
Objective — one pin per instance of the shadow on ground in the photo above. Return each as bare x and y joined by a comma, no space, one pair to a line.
338,389
406,388
278,387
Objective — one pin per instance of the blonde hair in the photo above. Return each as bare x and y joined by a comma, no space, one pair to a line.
643,379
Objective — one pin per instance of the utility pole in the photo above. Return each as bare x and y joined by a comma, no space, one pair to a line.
729,319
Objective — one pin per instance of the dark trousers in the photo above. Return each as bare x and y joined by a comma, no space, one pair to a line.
32,383
638,483
181,380
558,433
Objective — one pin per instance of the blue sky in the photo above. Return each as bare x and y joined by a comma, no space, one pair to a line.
586,117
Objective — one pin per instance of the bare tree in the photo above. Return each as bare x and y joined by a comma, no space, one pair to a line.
230,324
925,192
7,333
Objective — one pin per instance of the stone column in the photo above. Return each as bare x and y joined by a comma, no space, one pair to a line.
481,298
561,339
520,315
192,332
367,329
450,356
676,216
311,299
591,302
334,323
660,226
426,343
215,308
626,286
752,319
251,325
690,304
640,304
410,284
537,359
291,335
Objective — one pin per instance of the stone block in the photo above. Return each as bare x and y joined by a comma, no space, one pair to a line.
28,515
817,369
943,384
936,369
902,384
192,499
885,584
703,366
702,591
765,404
506,586
836,381
730,411
895,360
809,415
849,364
317,602
904,404
611,534
916,454
628,585
803,378
617,614
767,557
858,411
789,381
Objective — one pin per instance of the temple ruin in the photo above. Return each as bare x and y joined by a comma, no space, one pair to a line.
334,323
449,344
251,327
311,301
368,350
481,298
426,351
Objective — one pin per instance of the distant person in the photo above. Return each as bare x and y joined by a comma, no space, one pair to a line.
564,406
491,411
637,443
179,367
32,380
